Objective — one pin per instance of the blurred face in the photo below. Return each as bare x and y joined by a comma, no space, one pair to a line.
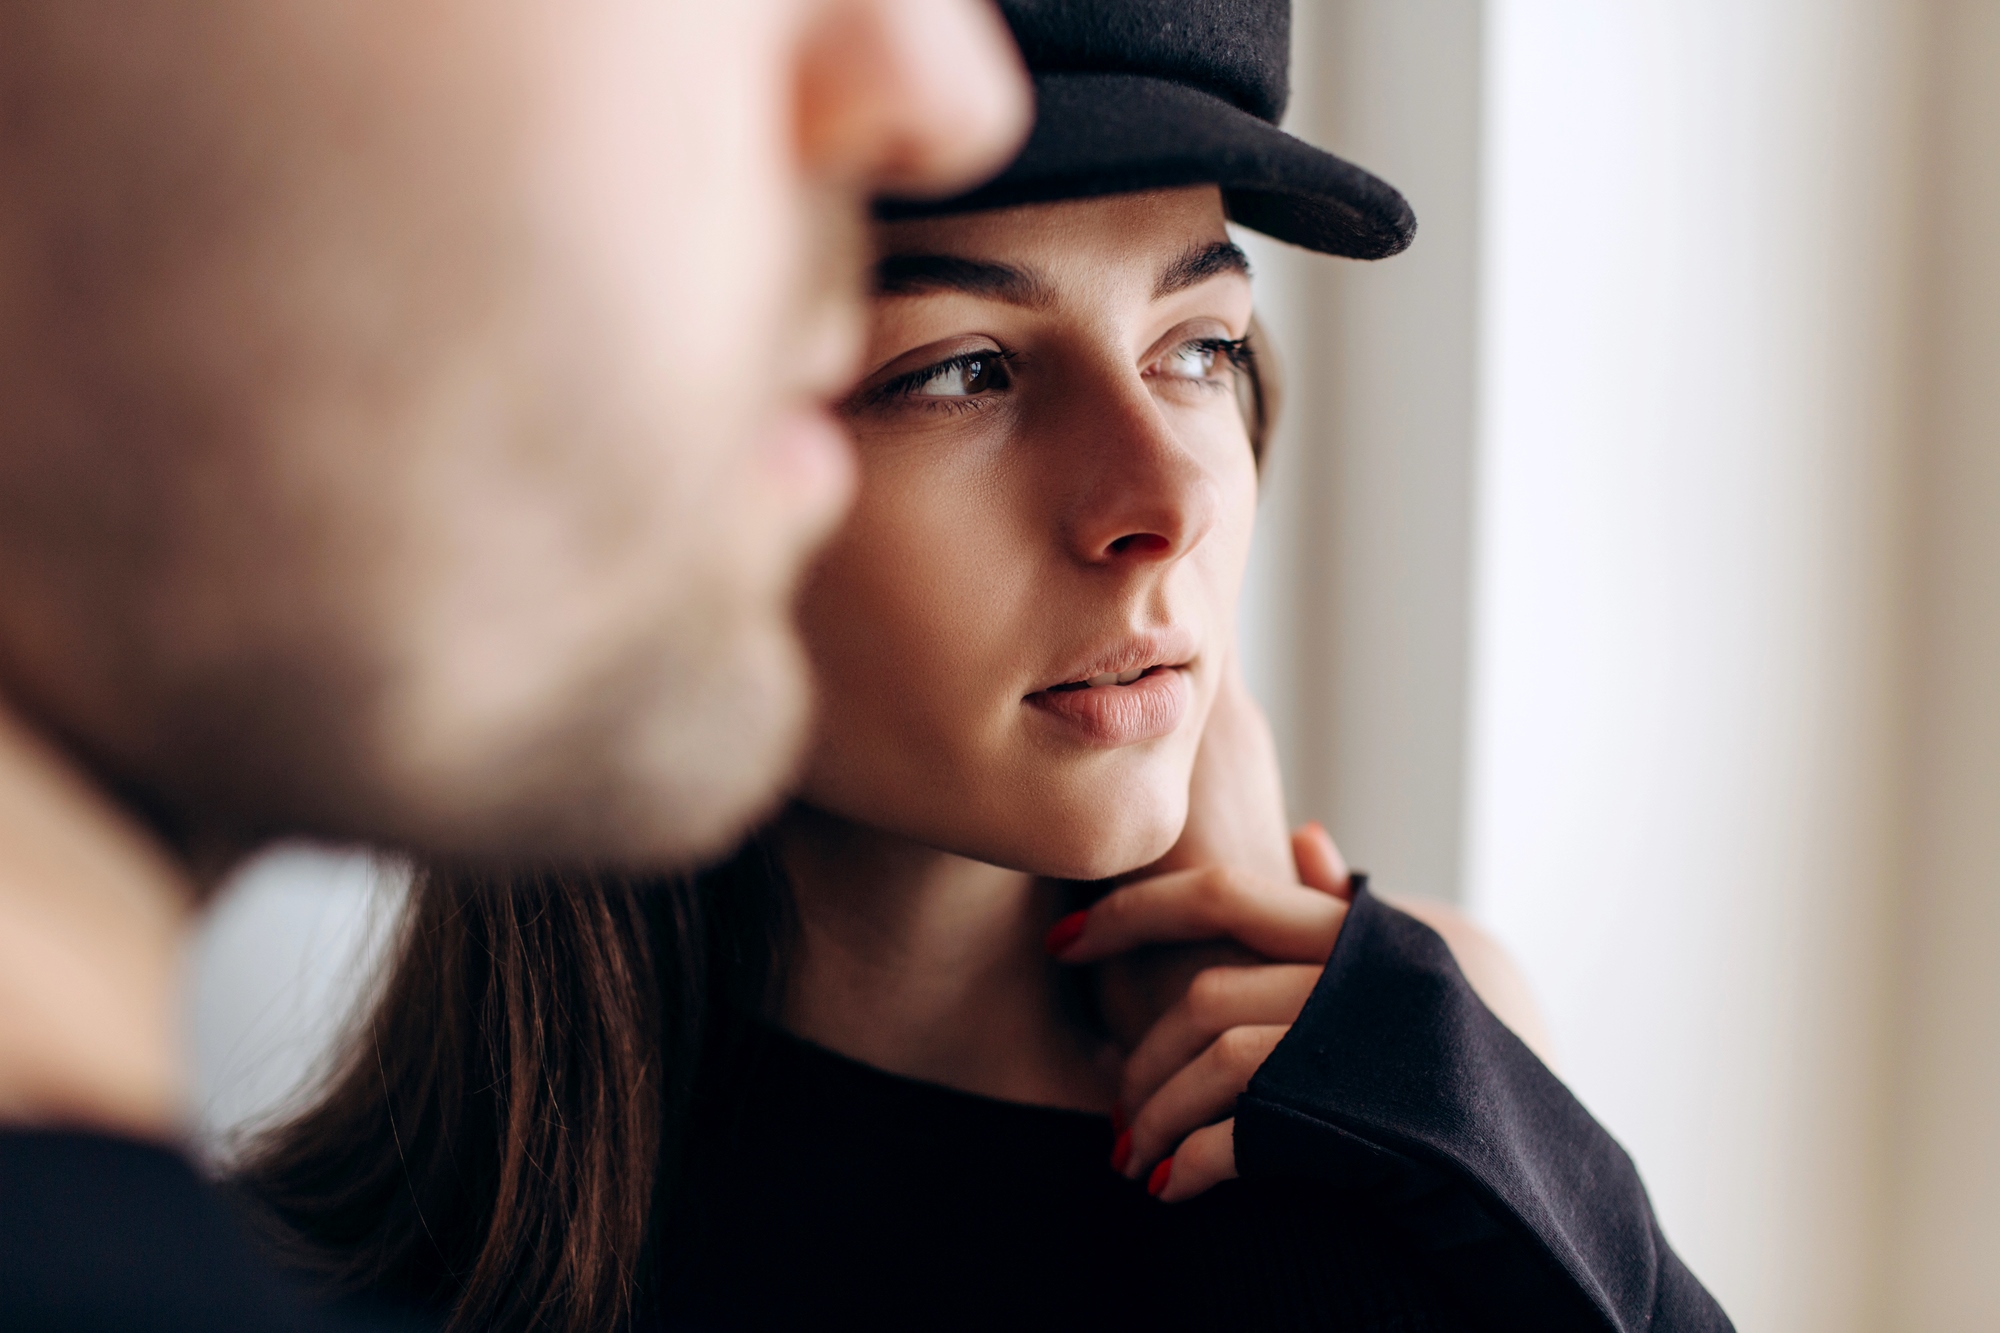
412,412
1021,629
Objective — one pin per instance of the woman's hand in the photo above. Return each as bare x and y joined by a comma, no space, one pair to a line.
1180,1083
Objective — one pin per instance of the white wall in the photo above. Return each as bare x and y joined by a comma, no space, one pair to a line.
1727,771
1683,787
1358,617
277,971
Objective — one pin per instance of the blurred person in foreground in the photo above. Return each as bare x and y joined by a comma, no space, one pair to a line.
412,430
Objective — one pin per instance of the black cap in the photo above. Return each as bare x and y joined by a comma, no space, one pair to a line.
1152,94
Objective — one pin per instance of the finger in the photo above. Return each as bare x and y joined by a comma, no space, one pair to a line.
1204,1160
1283,922
1219,998
1319,862
1236,798
1202,1092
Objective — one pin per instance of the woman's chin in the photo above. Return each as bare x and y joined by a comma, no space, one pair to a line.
1102,849
1070,834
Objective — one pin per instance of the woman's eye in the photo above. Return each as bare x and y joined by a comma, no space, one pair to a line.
965,382
963,378
1204,359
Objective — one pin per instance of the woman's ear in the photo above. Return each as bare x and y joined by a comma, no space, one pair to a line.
1258,390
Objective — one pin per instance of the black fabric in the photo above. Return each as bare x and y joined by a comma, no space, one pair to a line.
1399,1085
103,1235
1238,50
1150,94
1408,1164
827,1194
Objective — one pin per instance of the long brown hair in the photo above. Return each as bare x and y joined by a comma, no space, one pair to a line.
501,1137
496,1139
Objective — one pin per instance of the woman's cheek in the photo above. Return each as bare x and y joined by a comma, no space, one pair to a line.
892,613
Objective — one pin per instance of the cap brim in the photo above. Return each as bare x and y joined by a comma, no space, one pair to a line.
1099,134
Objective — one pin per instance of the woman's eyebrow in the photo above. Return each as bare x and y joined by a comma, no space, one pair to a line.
1199,263
904,275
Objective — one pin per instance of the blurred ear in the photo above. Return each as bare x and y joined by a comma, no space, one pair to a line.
915,98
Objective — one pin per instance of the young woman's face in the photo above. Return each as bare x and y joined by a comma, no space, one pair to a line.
1020,631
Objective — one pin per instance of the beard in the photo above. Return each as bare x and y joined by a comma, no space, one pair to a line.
663,764
659,758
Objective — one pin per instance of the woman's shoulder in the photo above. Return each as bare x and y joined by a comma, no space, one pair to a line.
1488,966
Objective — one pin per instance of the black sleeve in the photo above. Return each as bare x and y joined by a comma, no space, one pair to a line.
1397,1082
103,1235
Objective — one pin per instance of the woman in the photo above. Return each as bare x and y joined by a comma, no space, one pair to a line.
869,1073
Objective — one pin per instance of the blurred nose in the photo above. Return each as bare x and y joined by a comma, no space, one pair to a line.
910,97
1145,499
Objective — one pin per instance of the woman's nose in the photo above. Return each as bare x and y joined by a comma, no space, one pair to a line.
916,97
1145,497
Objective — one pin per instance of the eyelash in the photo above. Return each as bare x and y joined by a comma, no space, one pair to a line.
1235,350
902,386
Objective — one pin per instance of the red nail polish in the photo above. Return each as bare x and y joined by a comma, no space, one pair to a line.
1064,932
1121,1151
1162,1173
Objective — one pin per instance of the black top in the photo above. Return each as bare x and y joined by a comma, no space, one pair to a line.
1405,1157
828,1194
1398,1083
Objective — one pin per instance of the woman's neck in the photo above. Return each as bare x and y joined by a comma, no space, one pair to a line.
931,966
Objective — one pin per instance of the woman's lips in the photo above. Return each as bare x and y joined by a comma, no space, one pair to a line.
1113,715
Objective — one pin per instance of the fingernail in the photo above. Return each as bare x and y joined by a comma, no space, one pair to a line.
1121,1151
1064,932
1117,1118
1157,1184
